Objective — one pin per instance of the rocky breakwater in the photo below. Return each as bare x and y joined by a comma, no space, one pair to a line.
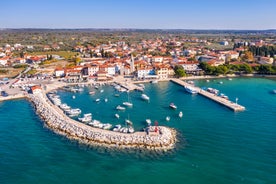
164,139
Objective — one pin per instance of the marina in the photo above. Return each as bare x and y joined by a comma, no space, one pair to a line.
223,101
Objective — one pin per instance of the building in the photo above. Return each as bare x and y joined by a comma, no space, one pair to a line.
36,89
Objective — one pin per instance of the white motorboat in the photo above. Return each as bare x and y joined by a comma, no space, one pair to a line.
168,118
191,89
145,97
180,114
128,104
173,106
107,126
117,128
120,108
97,100
117,115
148,121
130,129
86,118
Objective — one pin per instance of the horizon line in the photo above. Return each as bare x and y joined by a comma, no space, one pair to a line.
200,29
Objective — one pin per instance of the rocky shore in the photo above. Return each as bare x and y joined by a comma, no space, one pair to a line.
164,139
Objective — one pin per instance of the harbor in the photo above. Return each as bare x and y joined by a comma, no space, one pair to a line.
163,138
225,102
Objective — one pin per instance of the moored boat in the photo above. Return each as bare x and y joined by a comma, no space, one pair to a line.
145,97
117,115
173,106
148,121
180,114
120,108
191,89
168,118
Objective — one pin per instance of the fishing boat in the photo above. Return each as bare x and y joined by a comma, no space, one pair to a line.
173,106
145,97
180,114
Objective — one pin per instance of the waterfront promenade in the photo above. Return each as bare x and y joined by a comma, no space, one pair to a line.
231,105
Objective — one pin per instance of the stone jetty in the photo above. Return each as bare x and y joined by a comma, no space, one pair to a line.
54,118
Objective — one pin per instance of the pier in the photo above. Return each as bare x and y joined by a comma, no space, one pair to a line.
231,105
128,85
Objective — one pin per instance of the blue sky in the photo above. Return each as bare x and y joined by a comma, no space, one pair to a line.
150,14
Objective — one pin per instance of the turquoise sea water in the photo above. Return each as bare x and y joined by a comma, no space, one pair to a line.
216,144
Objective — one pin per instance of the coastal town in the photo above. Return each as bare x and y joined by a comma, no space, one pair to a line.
126,65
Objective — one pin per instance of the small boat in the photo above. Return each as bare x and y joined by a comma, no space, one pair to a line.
191,89
97,100
130,129
117,94
128,122
180,114
168,118
173,106
230,79
86,118
274,91
102,91
120,108
117,115
145,97
92,93
106,100
154,81
148,121
207,80
107,126
220,82
73,96
117,128
128,104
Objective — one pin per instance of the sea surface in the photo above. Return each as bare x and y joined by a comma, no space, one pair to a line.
216,145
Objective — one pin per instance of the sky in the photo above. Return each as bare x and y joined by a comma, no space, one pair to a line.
141,14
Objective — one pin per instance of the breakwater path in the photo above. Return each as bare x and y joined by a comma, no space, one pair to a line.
231,105
54,118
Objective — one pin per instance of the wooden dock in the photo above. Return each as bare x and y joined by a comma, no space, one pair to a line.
231,105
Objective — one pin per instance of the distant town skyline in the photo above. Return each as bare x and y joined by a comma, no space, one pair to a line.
140,14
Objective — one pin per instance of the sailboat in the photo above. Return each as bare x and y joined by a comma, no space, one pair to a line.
128,103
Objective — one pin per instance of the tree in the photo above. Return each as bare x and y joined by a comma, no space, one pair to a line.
179,71
248,56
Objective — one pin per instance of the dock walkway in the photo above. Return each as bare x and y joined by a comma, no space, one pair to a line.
234,106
